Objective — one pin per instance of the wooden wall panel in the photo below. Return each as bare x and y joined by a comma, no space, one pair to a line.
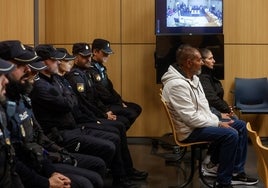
42,21
138,21
69,21
16,19
245,21
139,85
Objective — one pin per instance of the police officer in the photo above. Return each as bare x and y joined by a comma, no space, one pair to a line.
109,96
82,83
8,177
26,134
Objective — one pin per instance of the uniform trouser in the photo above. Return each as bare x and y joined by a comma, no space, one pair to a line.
79,181
226,141
122,119
90,162
105,145
119,128
131,112
32,179
78,175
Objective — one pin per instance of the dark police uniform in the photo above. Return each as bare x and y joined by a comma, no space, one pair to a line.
8,177
109,96
53,104
83,85
28,140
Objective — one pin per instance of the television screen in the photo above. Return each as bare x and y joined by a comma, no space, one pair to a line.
188,17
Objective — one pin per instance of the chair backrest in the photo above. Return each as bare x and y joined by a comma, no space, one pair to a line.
261,164
172,125
251,93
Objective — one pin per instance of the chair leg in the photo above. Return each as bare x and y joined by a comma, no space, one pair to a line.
192,169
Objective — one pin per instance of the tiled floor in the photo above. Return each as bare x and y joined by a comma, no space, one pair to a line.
162,175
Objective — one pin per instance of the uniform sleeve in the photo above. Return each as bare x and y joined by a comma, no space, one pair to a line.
79,85
49,97
43,140
108,96
211,95
29,177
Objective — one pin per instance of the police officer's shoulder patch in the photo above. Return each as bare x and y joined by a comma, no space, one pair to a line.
80,87
97,77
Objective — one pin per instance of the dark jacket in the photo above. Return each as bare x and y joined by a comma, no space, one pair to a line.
15,113
104,85
82,84
52,104
213,90
6,156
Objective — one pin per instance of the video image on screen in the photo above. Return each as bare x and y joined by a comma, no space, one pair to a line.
194,13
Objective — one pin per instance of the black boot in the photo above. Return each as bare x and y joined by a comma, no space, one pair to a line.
124,183
135,174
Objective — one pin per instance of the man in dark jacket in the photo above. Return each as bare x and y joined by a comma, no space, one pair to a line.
109,96
8,177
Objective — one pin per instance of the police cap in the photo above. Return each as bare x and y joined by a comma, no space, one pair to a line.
103,45
82,49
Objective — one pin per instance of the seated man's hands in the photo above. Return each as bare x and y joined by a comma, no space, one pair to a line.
225,116
58,180
110,115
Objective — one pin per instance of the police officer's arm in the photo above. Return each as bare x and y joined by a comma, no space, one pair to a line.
105,87
30,178
42,139
79,84
107,96
50,97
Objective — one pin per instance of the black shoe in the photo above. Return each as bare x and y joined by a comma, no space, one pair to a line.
243,179
137,175
124,183
218,185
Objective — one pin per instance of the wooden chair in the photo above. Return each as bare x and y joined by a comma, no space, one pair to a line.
194,147
261,165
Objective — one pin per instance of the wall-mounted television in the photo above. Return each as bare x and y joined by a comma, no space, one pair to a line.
188,17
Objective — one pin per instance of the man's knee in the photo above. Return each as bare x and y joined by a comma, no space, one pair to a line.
232,136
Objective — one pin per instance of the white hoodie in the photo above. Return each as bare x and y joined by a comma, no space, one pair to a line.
187,103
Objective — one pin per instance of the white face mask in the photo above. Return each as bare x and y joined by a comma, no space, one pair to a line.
104,59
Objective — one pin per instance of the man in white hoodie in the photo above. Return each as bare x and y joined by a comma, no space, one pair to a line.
195,122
